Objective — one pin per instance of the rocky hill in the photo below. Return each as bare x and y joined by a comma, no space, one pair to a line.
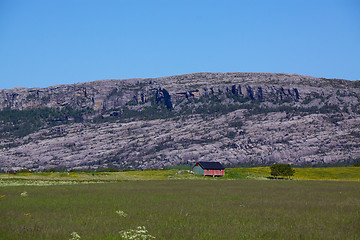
234,118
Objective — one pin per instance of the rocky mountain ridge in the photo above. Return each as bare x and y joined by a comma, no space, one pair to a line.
235,118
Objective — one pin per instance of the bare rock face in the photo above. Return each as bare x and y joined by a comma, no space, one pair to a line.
234,118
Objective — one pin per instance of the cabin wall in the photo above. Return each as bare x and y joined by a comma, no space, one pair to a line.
214,172
198,170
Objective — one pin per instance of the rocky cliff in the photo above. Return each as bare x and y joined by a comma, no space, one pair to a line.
235,118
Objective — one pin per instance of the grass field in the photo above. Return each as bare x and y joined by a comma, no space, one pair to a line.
330,173
180,205
259,173
184,209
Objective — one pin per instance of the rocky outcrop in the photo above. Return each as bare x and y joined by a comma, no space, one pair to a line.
255,118
108,94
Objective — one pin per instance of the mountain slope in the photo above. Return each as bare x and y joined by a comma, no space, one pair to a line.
254,118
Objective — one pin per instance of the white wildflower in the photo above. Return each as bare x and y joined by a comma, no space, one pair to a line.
24,194
75,236
121,213
41,182
140,233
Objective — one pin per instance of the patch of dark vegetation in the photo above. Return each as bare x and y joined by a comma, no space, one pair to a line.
236,123
230,134
281,170
334,118
179,167
56,169
344,163
312,97
356,162
229,145
24,170
204,140
355,134
21,123
159,147
293,110
114,92
356,84
249,164
125,114
109,169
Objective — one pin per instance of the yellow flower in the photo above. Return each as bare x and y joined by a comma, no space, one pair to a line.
27,214
2,196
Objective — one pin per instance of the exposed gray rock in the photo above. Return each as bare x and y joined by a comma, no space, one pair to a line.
151,123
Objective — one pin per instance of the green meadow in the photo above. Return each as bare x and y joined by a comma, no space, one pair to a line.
258,173
329,174
319,203
184,209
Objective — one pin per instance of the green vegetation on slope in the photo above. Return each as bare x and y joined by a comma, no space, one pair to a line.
16,123
21,123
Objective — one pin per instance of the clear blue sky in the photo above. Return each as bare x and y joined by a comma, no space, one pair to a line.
49,42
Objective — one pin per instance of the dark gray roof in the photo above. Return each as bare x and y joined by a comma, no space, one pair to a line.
211,165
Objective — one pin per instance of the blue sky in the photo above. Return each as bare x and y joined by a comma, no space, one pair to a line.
44,43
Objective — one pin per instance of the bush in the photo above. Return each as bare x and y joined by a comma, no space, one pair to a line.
57,169
284,170
109,169
179,167
24,170
356,163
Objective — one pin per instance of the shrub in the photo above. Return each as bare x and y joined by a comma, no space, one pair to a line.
356,163
284,170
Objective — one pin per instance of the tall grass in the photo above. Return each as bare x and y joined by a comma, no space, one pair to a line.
184,209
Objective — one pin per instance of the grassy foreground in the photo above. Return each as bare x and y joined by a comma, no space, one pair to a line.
184,209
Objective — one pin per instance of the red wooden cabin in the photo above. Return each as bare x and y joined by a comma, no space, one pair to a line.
209,169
